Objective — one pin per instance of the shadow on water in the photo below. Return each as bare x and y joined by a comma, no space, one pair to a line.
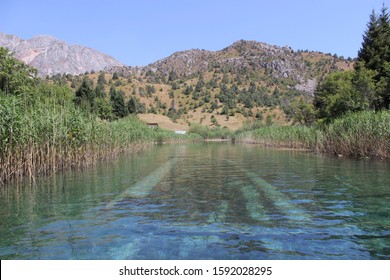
203,201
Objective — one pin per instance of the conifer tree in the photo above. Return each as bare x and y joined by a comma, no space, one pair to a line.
101,79
375,54
85,96
99,91
118,103
132,105
376,40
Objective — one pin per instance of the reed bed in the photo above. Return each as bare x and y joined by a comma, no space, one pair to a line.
292,137
210,133
361,134
44,137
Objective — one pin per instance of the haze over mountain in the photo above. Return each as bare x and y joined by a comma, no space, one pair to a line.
52,56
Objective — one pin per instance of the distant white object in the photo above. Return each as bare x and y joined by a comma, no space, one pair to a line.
152,125
183,132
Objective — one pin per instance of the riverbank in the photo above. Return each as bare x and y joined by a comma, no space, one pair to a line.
363,134
41,138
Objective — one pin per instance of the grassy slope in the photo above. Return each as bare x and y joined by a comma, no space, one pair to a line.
198,115
195,113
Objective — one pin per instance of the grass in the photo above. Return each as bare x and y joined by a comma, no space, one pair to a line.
293,137
210,133
42,137
361,134
47,135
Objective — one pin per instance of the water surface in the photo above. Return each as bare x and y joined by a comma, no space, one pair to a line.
203,201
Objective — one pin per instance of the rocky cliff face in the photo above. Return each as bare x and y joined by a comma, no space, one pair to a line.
301,69
184,62
242,56
280,62
52,56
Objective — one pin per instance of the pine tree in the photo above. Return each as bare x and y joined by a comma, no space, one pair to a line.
102,78
375,54
118,103
376,40
132,105
85,96
99,91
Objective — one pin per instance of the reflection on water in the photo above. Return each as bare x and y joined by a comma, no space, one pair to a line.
203,201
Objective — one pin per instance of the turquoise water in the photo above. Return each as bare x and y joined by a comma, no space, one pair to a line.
203,201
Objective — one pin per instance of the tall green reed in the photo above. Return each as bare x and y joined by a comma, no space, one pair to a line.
359,134
46,136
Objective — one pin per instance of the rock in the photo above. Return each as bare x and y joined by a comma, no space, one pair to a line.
243,55
52,56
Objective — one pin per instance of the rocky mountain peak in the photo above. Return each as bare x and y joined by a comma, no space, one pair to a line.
280,62
183,62
52,56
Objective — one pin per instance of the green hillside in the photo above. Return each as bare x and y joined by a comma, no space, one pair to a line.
246,81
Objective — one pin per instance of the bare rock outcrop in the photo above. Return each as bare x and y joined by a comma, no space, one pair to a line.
52,56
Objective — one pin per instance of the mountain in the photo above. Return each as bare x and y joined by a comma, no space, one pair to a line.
242,56
243,82
52,56
300,69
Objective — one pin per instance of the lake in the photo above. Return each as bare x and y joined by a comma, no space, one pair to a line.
203,201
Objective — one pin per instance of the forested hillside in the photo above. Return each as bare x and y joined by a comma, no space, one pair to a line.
246,81
267,94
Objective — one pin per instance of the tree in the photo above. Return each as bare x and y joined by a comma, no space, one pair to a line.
101,78
85,96
376,39
172,76
188,90
375,55
363,81
132,105
225,111
368,86
15,77
333,96
117,99
214,121
302,112
343,92
104,109
259,116
150,90
115,76
200,84
225,79
100,91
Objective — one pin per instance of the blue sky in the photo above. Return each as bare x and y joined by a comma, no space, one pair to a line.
142,31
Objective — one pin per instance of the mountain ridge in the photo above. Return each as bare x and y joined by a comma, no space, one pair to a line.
245,81
53,56
303,68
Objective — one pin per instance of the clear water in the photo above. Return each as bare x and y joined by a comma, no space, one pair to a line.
203,201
